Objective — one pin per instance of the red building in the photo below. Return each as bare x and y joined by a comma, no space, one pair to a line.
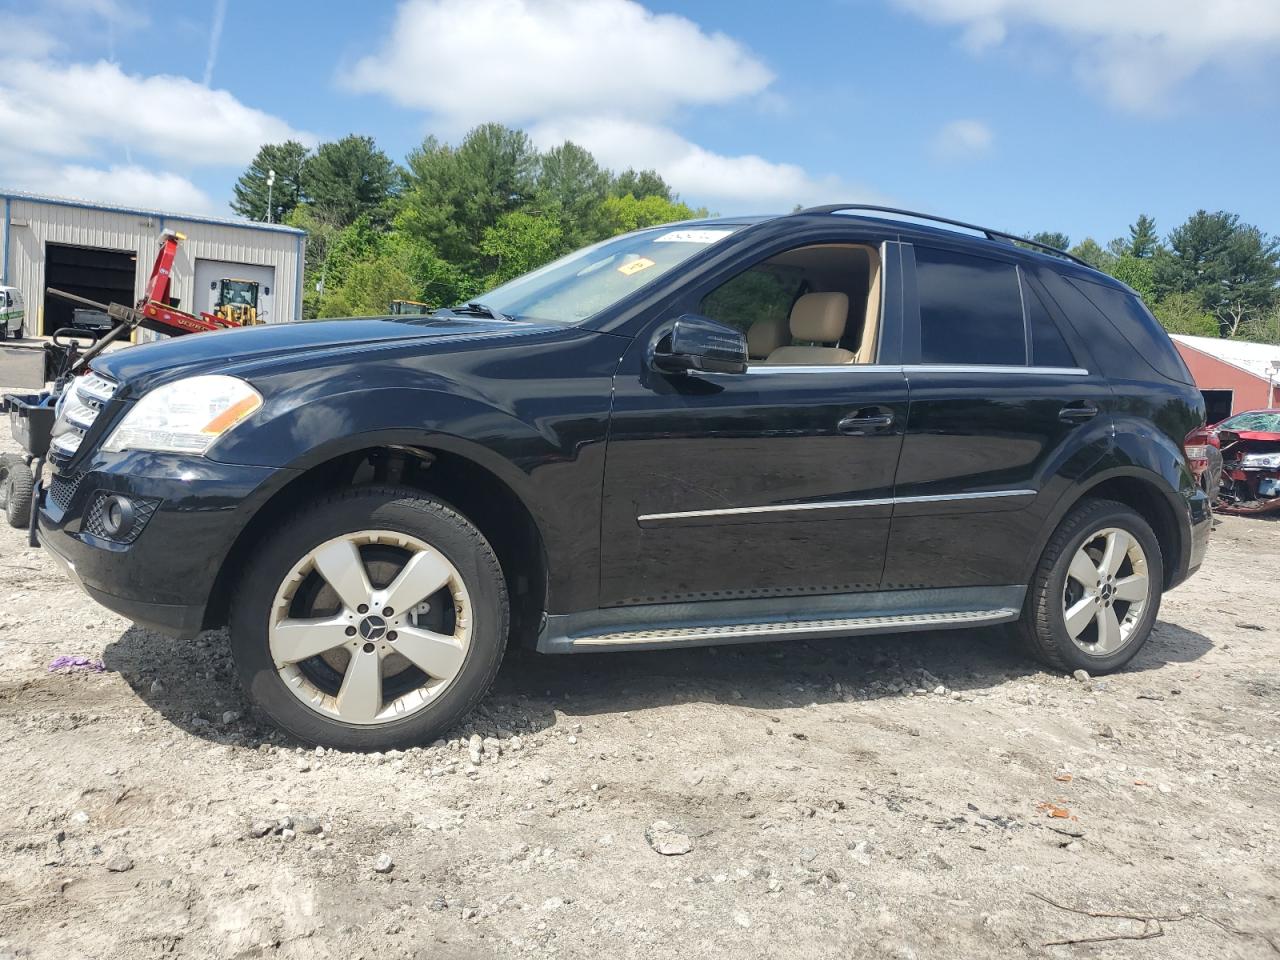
1233,375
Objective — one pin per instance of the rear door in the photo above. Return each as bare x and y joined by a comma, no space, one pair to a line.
1005,407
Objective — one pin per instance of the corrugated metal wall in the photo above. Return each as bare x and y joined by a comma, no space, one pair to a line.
34,223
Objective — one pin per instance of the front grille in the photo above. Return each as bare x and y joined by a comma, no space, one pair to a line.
94,522
78,409
62,490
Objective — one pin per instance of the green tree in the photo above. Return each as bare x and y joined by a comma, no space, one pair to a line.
250,193
572,185
626,213
453,194
645,183
1138,273
369,287
348,178
1143,239
1232,268
321,232
1051,238
1091,253
1182,313
520,242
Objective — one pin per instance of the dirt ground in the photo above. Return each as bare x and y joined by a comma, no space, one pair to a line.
918,796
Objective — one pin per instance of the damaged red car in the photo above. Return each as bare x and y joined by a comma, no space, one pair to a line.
1250,447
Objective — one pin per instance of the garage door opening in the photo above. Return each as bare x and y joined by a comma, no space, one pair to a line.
1217,404
105,276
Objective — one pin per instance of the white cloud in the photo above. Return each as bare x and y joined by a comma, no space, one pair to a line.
607,74
74,109
748,183
1136,52
26,35
65,126
129,185
517,60
962,139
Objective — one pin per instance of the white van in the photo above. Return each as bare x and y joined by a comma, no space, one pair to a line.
12,311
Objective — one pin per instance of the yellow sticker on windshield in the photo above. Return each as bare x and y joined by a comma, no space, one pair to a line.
635,266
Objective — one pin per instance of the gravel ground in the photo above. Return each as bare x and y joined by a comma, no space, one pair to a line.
914,796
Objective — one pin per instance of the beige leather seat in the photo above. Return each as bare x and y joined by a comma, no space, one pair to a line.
819,318
765,336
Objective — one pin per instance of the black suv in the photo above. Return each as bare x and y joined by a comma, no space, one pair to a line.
824,424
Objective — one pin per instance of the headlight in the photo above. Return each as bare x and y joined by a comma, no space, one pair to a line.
185,416
1260,460
1198,451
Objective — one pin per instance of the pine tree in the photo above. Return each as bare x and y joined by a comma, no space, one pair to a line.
1143,239
251,190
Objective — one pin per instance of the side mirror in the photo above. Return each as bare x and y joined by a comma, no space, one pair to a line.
699,343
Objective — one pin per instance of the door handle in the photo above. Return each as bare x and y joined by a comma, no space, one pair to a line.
1078,412
862,422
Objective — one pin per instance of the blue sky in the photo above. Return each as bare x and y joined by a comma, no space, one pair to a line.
1022,114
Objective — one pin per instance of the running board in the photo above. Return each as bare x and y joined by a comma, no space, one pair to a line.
656,636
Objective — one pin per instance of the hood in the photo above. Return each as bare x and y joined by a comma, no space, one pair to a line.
144,365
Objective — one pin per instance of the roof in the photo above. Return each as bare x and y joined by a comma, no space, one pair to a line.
139,212
1254,358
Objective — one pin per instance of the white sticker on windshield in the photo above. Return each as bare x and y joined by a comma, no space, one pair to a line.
693,236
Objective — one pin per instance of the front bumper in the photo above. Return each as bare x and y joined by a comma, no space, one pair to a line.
164,578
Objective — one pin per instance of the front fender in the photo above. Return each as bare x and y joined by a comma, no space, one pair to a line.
534,415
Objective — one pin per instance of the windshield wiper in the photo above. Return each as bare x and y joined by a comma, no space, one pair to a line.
476,309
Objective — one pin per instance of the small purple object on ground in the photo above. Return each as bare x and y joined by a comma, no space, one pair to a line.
65,662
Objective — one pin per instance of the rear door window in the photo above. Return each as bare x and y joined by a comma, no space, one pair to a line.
970,310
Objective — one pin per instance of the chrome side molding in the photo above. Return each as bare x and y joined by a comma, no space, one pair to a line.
834,504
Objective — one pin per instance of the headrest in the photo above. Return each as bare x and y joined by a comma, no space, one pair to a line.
820,317
766,335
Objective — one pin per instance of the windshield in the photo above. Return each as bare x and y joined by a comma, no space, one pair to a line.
238,292
580,285
1263,422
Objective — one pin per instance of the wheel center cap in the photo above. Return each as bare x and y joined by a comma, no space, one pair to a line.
1108,591
372,627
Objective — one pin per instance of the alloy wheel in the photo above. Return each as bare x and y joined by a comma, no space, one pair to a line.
370,627
1106,591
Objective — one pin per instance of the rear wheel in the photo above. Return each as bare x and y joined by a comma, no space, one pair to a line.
375,619
1096,591
17,488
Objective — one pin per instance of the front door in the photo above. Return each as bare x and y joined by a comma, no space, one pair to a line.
775,482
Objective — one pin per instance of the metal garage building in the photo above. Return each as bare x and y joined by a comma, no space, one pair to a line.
1233,375
105,253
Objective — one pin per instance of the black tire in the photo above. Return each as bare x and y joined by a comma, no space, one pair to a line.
1042,629
398,509
17,490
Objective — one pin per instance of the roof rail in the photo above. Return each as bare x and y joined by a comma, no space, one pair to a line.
999,236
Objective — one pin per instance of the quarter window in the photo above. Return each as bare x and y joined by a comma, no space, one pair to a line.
1048,349
970,309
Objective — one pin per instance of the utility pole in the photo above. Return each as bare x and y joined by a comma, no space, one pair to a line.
271,182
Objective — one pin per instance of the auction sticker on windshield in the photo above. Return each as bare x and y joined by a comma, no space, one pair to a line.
692,236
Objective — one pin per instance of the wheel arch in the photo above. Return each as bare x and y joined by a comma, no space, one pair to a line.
1148,494
458,472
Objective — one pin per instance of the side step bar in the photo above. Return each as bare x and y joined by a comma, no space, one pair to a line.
739,629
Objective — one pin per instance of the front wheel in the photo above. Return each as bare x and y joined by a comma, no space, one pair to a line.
375,619
1095,593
